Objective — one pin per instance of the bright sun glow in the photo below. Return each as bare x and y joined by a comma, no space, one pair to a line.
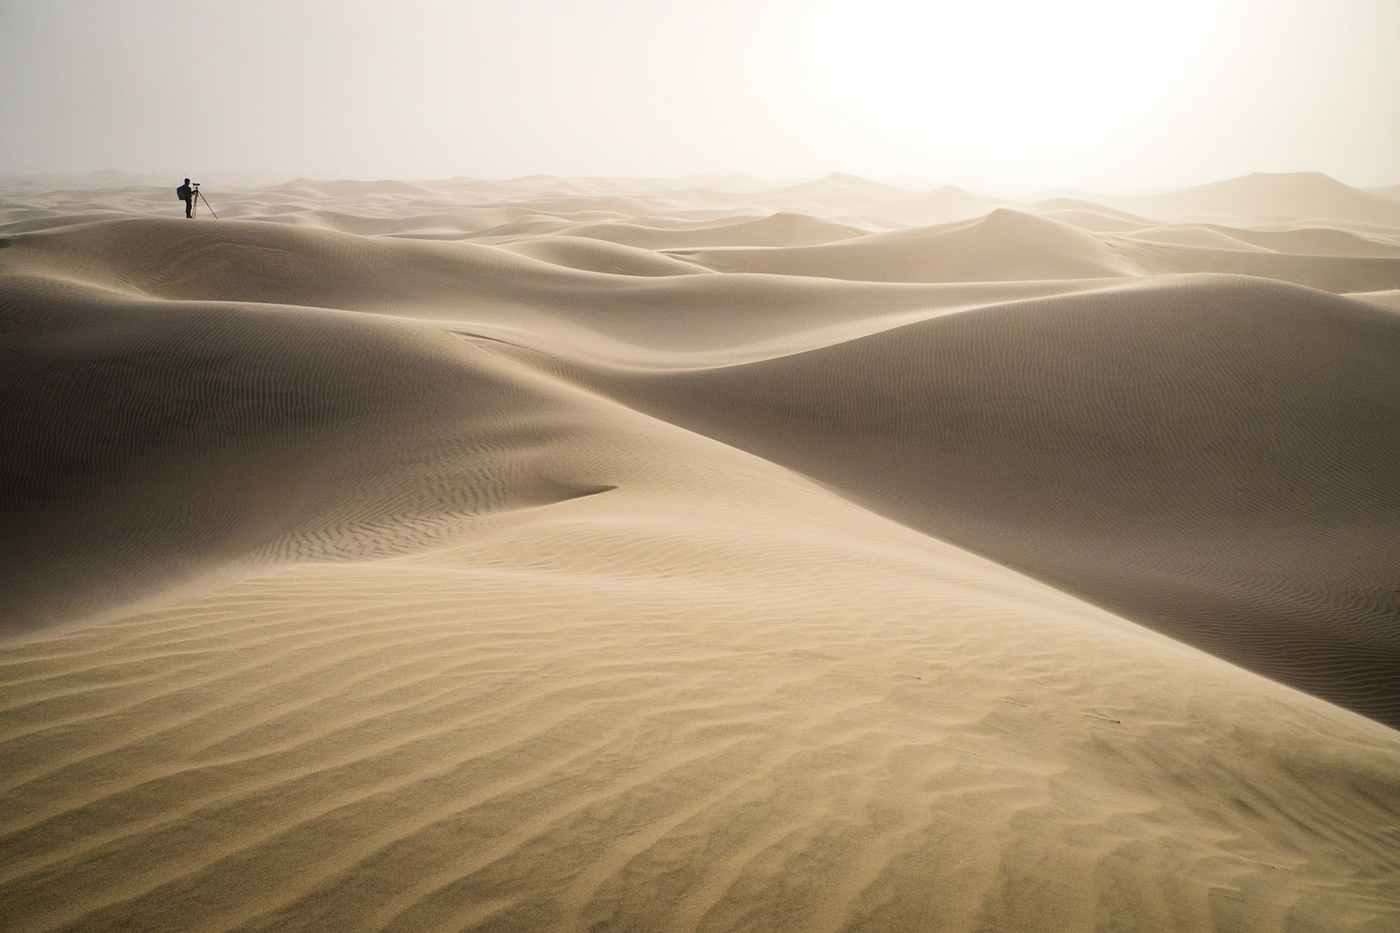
1007,69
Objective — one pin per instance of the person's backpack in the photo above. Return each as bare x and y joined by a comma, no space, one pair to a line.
181,193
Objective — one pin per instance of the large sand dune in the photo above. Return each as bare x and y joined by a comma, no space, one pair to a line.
1302,195
592,554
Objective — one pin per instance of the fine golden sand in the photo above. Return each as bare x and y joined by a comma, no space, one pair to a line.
580,554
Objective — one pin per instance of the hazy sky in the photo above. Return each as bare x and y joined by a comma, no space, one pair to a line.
1003,95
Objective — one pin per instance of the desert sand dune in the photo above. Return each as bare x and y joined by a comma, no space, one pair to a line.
1098,221
1158,403
348,187
42,210
482,284
1389,298
594,255
1317,241
528,224
620,206
838,191
363,581
1209,236
1088,214
288,416
1320,241
1010,245
1005,245
1311,195
779,229
1337,274
53,219
940,206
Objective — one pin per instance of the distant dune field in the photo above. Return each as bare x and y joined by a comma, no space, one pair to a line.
682,555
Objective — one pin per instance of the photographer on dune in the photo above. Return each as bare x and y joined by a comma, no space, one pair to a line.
186,193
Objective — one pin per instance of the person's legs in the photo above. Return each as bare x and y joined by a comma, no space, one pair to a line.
189,207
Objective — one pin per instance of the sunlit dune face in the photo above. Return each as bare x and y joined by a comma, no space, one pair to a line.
1010,69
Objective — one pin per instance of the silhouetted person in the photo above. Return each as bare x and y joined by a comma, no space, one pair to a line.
186,193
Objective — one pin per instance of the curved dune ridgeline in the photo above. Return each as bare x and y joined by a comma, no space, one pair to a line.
1214,457
600,555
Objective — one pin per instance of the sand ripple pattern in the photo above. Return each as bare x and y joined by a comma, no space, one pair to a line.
316,752
588,555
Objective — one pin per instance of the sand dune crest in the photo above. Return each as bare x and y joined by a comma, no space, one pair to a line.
1004,245
1204,381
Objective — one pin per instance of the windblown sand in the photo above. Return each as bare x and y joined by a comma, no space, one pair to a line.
704,555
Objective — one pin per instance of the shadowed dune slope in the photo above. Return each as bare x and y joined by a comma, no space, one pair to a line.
1218,457
1336,274
163,440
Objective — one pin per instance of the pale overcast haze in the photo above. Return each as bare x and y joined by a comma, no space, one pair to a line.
1006,96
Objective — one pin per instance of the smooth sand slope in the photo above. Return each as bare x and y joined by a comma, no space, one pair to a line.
1216,457
361,576
1004,245
1263,194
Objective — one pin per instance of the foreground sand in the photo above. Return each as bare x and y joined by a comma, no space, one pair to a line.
590,555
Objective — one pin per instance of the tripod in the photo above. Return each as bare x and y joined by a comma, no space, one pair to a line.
198,196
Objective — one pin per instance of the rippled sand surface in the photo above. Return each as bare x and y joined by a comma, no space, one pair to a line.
700,555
